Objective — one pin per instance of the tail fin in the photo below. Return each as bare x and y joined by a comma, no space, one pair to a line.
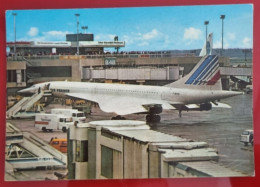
207,48
205,75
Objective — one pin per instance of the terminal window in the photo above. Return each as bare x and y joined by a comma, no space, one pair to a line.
11,76
49,71
82,151
106,162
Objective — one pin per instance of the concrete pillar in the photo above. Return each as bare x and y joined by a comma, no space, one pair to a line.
164,168
98,153
118,165
71,164
92,153
76,70
154,162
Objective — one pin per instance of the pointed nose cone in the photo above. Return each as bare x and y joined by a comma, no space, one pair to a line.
27,90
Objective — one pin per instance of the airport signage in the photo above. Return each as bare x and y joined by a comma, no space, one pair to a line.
52,44
110,61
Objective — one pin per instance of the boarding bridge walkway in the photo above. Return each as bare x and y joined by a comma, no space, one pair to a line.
30,151
236,71
26,103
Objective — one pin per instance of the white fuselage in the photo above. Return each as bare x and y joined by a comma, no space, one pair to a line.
171,95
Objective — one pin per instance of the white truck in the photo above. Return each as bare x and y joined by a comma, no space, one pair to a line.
73,113
50,122
247,137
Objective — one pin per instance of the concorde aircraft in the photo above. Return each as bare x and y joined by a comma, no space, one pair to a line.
199,90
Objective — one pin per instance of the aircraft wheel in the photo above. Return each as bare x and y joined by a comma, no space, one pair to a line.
148,118
64,129
157,118
153,118
118,118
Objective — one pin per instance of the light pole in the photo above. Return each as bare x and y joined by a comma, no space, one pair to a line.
77,16
117,48
85,29
206,23
222,17
14,14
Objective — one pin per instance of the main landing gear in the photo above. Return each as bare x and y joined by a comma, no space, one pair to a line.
118,118
152,118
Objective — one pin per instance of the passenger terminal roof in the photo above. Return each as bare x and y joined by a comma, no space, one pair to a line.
210,168
137,130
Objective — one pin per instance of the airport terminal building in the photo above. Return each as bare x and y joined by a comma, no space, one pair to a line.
36,62
85,42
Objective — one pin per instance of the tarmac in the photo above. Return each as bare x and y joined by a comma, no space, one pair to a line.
220,128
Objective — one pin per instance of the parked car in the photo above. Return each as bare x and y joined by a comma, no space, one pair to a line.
247,137
59,144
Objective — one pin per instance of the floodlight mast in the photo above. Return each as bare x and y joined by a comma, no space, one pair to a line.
14,14
222,17
77,16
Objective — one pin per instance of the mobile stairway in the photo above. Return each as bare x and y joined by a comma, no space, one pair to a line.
26,103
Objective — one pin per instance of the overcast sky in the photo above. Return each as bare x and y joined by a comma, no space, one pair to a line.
151,28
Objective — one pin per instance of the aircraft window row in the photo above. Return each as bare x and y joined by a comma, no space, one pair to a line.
132,91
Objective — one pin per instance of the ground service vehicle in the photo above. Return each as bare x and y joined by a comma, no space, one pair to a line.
50,122
247,137
68,112
59,144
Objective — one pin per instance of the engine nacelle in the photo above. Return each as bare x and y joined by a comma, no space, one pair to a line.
206,106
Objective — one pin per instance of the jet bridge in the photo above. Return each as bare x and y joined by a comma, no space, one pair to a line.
25,150
26,103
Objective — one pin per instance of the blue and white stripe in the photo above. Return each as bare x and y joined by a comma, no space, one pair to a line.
204,71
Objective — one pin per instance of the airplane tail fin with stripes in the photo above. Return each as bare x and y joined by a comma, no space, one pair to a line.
205,75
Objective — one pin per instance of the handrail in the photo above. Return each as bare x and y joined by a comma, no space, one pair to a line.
113,55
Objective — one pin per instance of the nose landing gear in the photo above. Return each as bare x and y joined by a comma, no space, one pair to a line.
118,118
180,114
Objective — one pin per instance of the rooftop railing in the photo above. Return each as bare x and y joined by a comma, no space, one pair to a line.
95,56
